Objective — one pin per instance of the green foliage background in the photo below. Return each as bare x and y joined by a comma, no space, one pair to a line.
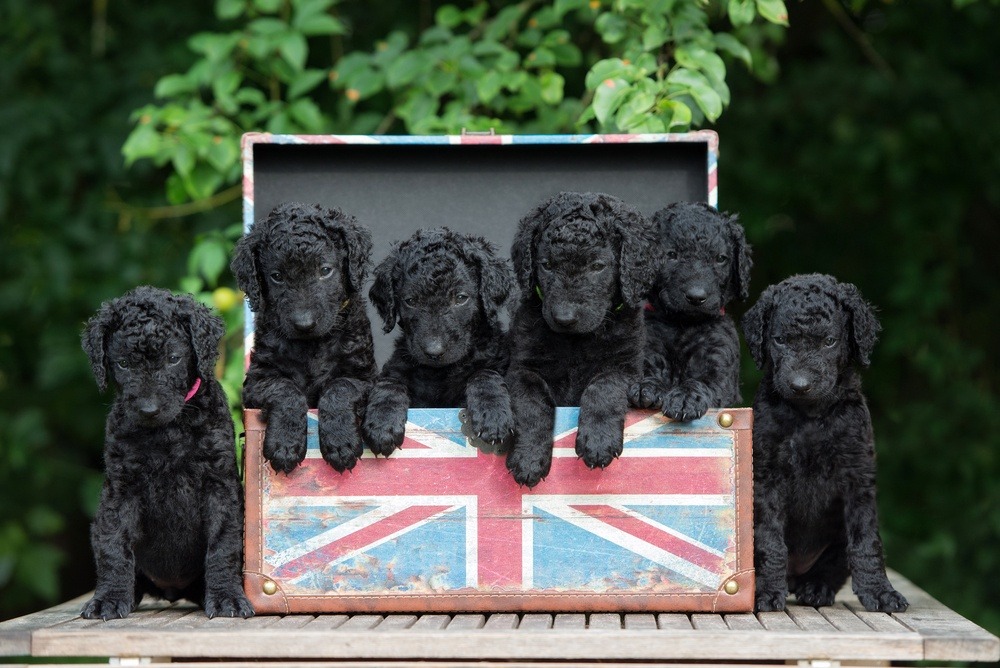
857,142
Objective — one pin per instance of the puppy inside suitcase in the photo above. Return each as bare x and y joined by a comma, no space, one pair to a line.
170,519
302,269
692,358
815,516
447,292
584,262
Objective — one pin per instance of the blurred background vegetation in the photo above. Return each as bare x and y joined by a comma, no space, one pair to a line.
860,140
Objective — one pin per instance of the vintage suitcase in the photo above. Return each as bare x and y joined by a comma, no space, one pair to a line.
441,525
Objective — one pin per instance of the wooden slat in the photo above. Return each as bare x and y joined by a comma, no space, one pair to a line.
639,622
293,622
501,622
706,622
15,634
777,621
743,622
879,621
360,623
570,621
674,621
810,619
431,622
605,620
947,635
396,622
466,622
535,622
844,619
327,622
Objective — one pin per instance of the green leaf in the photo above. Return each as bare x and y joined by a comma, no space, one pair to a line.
680,114
304,82
267,26
552,87
653,37
635,106
173,84
143,142
607,97
404,70
203,182
608,68
43,521
223,153
488,86
294,49
733,47
320,24
646,124
697,58
700,90
612,27
230,9
448,16
561,7
567,55
540,57
214,46
503,23
268,6
208,259
183,159
774,11
351,66
742,12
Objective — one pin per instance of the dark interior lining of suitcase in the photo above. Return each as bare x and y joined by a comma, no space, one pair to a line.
397,189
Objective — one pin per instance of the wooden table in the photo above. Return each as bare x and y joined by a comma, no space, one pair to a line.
821,637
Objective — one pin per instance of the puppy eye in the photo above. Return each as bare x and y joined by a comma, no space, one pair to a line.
325,271
461,299
122,365
721,258
410,301
597,266
671,254
829,342
547,265
277,277
780,340
173,360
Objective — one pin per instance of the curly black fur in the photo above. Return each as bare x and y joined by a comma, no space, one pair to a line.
584,263
302,269
692,358
170,518
447,291
815,516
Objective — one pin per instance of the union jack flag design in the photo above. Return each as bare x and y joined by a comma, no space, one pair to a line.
440,516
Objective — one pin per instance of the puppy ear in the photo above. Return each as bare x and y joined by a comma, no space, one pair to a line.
97,331
244,266
637,257
522,250
357,241
205,330
496,281
756,323
863,324
739,280
383,291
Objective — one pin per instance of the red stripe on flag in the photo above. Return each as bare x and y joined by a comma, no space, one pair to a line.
320,557
653,536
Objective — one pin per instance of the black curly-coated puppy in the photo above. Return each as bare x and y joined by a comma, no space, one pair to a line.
584,262
170,518
815,517
447,291
302,269
692,358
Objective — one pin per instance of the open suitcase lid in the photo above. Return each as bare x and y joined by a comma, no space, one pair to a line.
477,184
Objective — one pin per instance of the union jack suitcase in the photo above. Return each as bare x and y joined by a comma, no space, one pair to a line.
442,526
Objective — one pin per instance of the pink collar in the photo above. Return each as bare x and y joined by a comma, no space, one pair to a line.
193,391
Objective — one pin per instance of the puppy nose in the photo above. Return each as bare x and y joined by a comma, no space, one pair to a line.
434,348
696,296
565,317
148,409
304,322
800,385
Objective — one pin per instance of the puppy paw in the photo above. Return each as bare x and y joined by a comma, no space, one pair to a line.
529,466
339,442
883,600
685,405
384,430
227,604
285,443
491,422
815,594
645,394
769,601
598,445
108,607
